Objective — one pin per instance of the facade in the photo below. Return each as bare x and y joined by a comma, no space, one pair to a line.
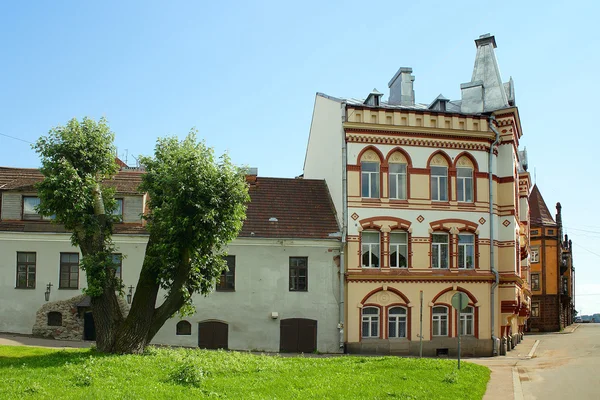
281,291
552,269
421,218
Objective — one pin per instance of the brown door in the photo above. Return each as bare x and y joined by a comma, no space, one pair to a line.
213,335
297,335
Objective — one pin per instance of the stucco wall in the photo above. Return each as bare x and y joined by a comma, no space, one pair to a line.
261,288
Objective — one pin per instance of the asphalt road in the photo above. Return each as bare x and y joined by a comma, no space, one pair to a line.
565,366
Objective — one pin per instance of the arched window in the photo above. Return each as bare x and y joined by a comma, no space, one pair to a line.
467,321
439,321
397,176
183,328
439,250
370,249
398,249
464,184
466,251
438,166
54,318
370,179
397,322
370,322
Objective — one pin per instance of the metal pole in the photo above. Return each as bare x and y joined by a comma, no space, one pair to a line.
421,327
459,326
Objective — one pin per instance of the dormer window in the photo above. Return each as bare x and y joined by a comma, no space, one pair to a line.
374,98
29,209
439,104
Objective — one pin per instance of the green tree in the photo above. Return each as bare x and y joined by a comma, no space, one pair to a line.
196,207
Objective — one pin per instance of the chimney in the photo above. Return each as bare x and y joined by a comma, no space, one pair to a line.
251,175
401,88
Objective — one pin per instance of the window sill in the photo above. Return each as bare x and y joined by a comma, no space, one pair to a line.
299,291
24,288
466,204
224,290
68,288
370,200
440,203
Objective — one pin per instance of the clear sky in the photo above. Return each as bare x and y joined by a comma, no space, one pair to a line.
245,75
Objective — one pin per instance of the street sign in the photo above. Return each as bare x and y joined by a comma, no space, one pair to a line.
460,301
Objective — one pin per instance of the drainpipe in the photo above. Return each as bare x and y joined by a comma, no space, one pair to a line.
344,226
491,121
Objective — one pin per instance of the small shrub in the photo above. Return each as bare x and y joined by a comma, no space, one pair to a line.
34,388
84,375
452,377
188,374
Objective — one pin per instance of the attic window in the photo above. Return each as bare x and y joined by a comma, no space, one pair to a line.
373,99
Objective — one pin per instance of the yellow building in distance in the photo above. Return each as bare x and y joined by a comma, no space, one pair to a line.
432,200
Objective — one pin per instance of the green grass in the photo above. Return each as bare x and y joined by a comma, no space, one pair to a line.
36,373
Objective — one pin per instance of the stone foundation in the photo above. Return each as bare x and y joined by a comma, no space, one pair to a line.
470,347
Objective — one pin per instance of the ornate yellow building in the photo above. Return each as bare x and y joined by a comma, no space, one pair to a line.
433,201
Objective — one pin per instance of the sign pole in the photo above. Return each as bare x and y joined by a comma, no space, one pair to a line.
421,327
459,301
459,326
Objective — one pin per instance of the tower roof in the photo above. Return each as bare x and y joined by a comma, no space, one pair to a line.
539,213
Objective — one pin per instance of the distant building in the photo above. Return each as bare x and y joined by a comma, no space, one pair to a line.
552,268
411,184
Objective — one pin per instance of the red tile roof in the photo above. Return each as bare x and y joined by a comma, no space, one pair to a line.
538,211
302,209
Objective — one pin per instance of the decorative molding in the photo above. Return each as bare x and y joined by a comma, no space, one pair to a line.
417,142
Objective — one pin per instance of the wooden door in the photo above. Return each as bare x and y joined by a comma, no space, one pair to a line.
297,335
213,335
89,328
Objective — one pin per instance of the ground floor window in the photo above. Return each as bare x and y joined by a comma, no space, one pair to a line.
467,319
397,322
439,323
535,309
370,322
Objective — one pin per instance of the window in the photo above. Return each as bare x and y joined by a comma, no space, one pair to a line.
118,212
370,249
397,181
29,211
370,179
299,274
54,318
565,285
466,251
535,281
439,250
117,261
398,249
535,255
397,322
467,320
370,322
25,270
439,183
439,326
535,309
534,232
183,328
227,281
464,184
69,271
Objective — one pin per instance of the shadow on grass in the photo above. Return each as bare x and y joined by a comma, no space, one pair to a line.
53,359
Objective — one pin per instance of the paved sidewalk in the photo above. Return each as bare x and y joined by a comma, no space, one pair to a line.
12,339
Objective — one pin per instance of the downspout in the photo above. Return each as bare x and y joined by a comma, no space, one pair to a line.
491,121
344,227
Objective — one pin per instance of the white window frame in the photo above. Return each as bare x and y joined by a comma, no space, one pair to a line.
371,320
33,215
372,179
467,322
439,181
463,251
535,255
400,180
538,281
397,320
437,318
371,247
462,194
118,211
537,315
436,259
400,248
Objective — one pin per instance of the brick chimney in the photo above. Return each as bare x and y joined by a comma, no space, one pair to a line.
251,175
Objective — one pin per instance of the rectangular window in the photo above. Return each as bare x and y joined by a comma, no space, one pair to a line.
464,184
29,209
69,271
227,281
398,249
439,250
26,270
299,274
397,181
370,249
117,261
439,183
370,179
466,251
440,321
467,321
370,322
535,309
535,255
118,212
535,281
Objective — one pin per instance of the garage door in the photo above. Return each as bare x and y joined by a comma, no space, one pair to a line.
213,335
297,335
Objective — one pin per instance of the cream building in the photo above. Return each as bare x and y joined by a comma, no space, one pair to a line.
421,218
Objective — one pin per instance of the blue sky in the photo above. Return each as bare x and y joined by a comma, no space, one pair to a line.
245,75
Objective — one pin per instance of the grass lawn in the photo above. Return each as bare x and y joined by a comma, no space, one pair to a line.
28,372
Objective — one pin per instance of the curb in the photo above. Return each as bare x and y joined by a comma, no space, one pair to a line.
533,349
517,389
